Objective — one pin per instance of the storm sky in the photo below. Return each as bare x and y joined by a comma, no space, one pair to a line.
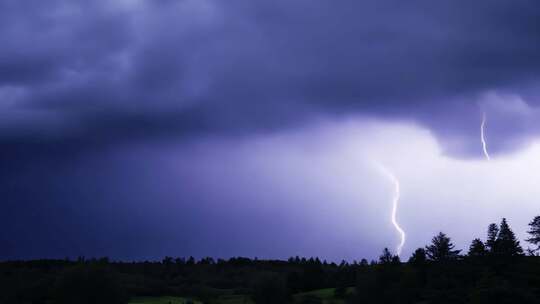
139,129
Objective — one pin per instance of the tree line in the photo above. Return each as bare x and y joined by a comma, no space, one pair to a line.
500,242
494,270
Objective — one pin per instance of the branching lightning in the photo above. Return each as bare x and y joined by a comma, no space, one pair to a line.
483,136
395,202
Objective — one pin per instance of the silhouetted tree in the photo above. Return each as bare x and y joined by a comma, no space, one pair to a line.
180,261
207,261
167,260
418,257
419,262
477,248
507,244
493,232
441,248
534,231
385,257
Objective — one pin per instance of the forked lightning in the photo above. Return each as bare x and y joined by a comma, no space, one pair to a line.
395,202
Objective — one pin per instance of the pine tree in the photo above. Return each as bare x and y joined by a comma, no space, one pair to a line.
506,243
441,249
493,232
418,257
385,257
535,233
477,248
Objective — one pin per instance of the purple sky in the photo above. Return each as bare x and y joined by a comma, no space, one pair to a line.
198,127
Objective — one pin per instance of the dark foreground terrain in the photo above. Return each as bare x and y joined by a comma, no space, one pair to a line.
493,271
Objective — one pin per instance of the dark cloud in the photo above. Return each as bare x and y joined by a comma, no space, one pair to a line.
79,79
246,65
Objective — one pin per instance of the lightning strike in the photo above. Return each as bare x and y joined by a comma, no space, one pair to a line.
483,136
395,202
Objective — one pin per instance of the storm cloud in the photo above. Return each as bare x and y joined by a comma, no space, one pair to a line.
101,70
135,121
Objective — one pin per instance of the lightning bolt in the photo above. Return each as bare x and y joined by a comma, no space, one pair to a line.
483,136
395,202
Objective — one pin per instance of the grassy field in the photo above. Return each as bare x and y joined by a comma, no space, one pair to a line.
161,300
235,299
327,295
225,299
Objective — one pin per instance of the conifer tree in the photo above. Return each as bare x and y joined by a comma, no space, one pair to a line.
441,248
493,232
418,257
506,243
534,231
477,248
385,257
